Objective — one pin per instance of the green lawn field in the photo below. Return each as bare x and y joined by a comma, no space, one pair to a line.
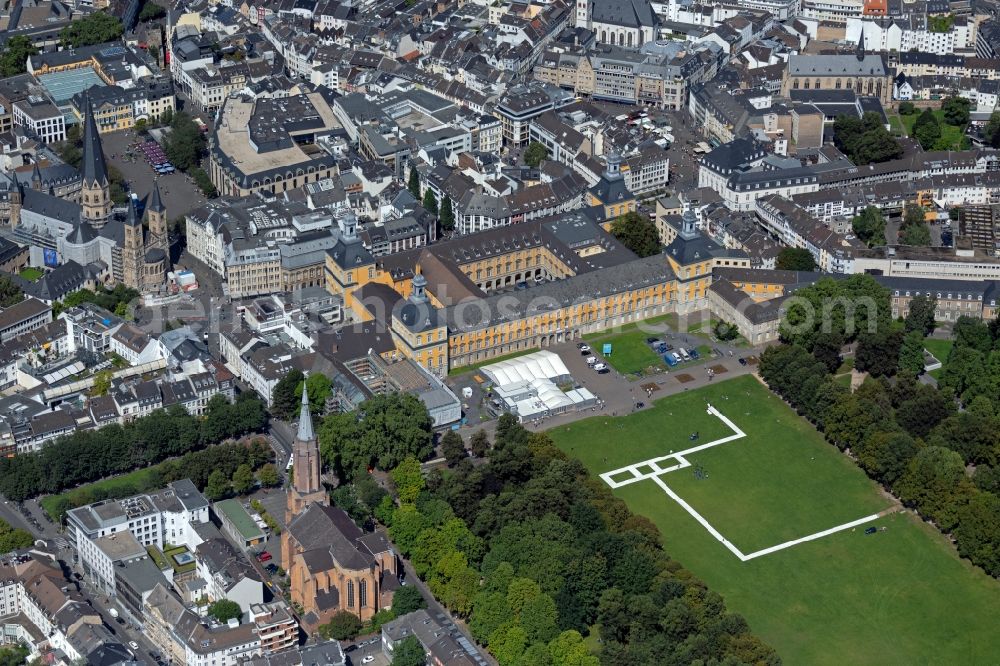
900,596
952,137
939,348
31,274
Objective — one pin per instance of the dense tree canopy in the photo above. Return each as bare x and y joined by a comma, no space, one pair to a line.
956,110
865,140
14,59
151,11
843,308
224,610
10,293
385,430
413,184
446,215
927,129
921,314
286,396
318,389
409,652
430,202
185,143
196,466
535,153
88,455
637,233
96,28
991,131
342,626
795,259
13,539
869,226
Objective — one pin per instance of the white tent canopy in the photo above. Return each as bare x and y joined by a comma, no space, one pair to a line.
527,386
537,365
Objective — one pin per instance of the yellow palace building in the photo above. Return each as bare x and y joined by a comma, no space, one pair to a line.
521,287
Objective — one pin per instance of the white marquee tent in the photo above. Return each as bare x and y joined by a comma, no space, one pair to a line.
537,365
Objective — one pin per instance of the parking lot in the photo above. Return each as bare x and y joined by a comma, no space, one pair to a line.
179,193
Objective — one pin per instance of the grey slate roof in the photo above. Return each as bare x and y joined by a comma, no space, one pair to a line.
837,65
628,13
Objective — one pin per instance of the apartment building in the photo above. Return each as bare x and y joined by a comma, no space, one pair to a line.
165,516
23,317
794,227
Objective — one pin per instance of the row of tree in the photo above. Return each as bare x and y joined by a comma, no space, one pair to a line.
917,440
89,455
199,466
533,552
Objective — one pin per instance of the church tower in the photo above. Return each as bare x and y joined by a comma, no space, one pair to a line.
157,219
16,195
307,488
95,194
36,178
132,250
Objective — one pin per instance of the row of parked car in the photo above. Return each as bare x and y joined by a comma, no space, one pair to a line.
599,366
670,356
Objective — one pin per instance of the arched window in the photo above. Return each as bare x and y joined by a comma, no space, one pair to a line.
350,594
838,84
363,593
806,84
817,86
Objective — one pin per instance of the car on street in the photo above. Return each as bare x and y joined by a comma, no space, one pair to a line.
743,361
591,360
652,341
264,556
367,660
584,349
133,645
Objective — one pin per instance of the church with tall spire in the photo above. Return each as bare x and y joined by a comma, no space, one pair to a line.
112,243
307,486
333,565
95,192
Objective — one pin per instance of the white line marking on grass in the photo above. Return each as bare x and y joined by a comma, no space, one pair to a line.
679,457
697,516
812,537
682,462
